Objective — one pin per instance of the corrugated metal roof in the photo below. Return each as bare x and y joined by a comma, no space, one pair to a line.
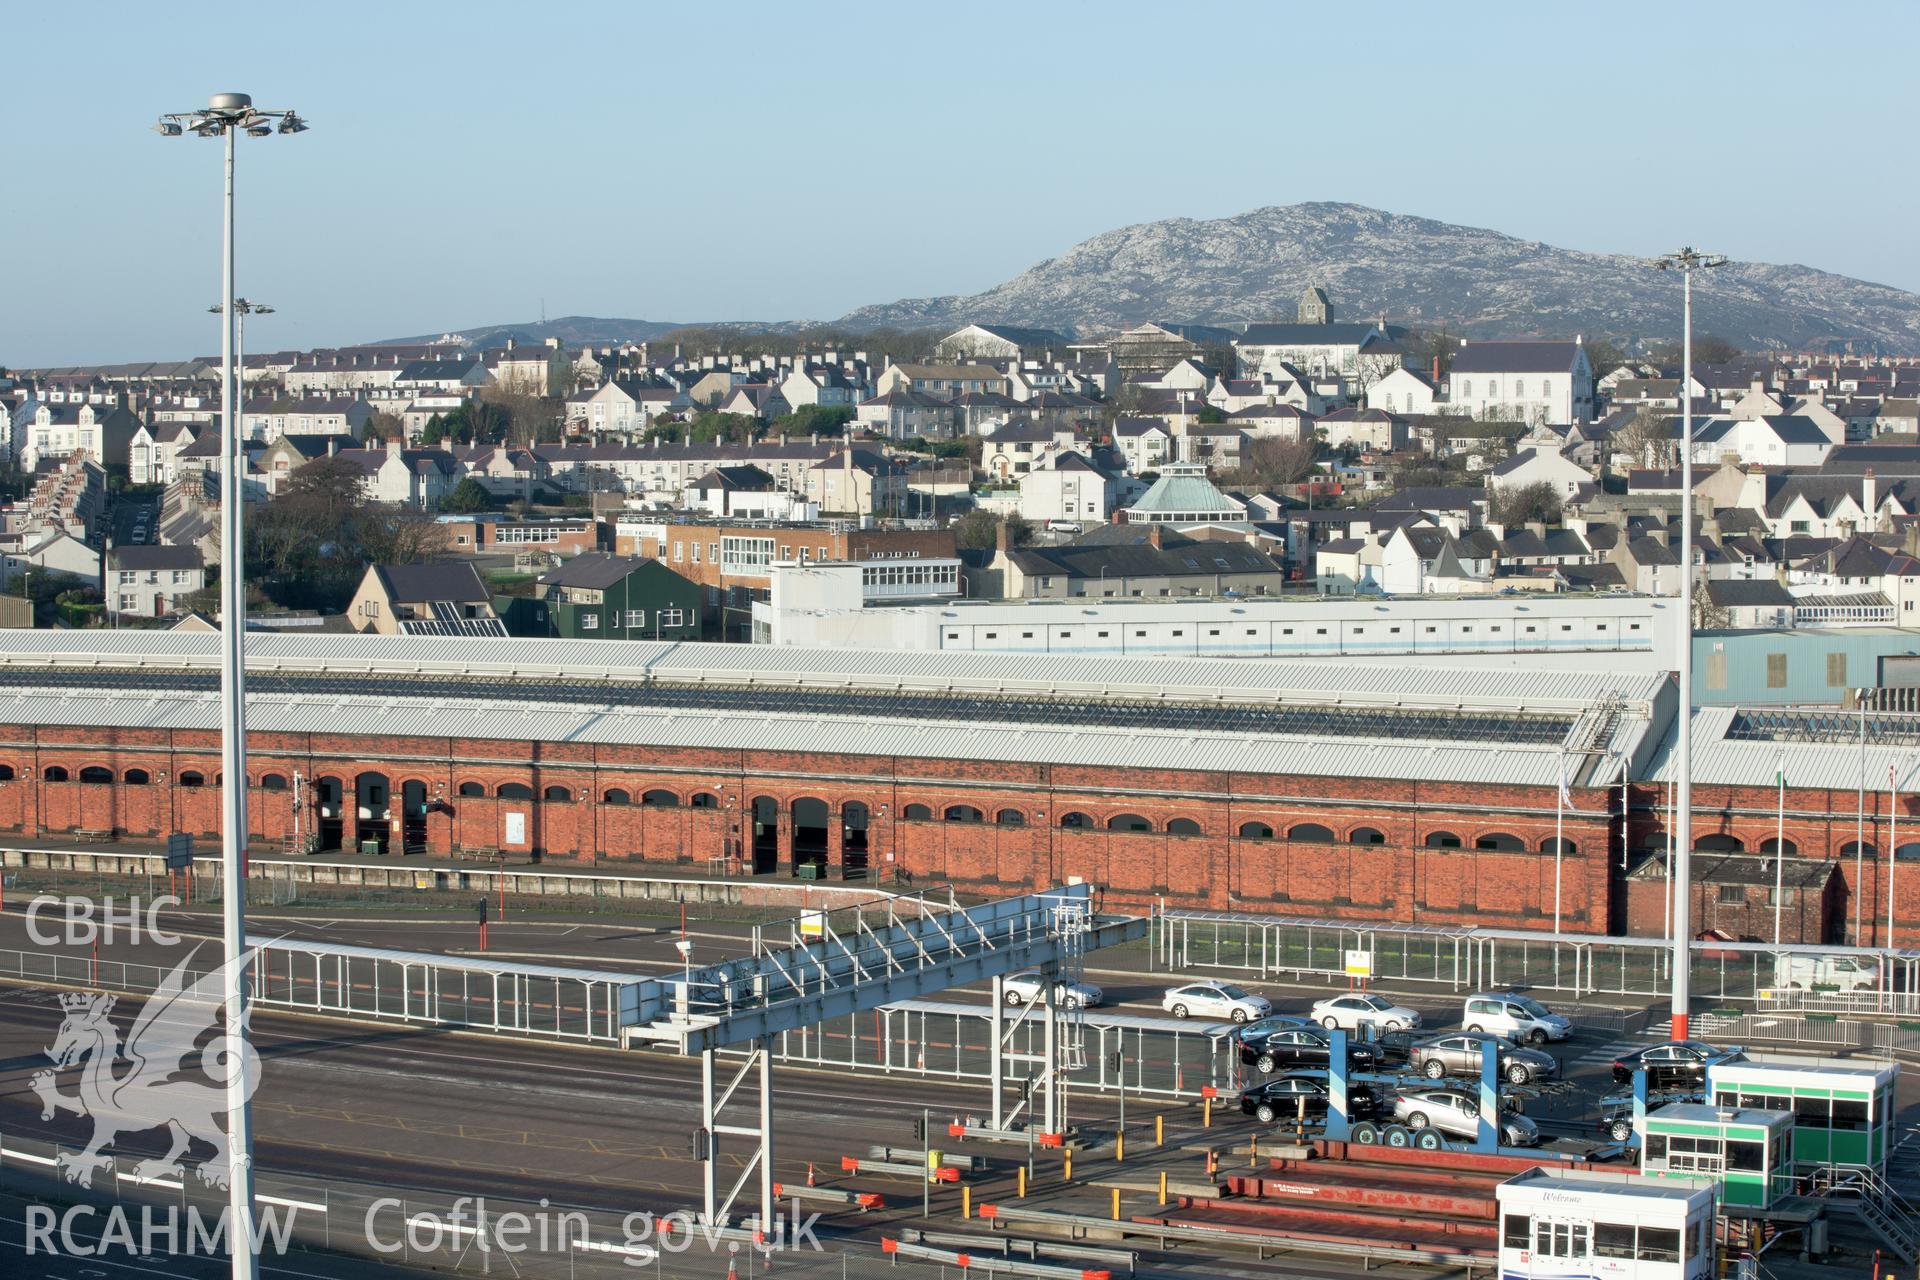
1719,759
1311,682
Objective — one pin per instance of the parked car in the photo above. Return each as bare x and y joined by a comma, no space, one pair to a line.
1359,1009
1283,1098
1458,1053
1215,1000
1248,1033
1456,1112
1517,1017
1305,1047
1026,986
1677,1064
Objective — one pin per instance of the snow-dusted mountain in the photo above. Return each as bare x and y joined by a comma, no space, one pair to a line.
1414,271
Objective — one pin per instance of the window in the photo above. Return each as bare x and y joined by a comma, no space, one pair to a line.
1310,833
1442,840
1730,895
1776,671
53,773
636,617
513,791
268,782
615,796
1517,1233
1075,821
1128,822
1659,1244
94,773
1366,835
589,621
471,789
1610,1240
557,795
670,617
1183,827
918,813
962,813
190,778
1499,842
704,800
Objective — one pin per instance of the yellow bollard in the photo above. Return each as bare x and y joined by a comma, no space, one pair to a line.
1120,1147
966,1202
1206,1113
1163,1186
1023,1182
1116,1204
1067,1174
1159,1131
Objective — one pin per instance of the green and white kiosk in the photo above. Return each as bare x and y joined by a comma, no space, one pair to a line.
1748,1153
1842,1110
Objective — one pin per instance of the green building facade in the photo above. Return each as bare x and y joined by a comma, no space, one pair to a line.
596,596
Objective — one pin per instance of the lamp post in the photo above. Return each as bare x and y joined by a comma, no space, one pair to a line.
241,310
226,116
1686,261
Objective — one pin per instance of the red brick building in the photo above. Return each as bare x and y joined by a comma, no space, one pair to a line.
1300,789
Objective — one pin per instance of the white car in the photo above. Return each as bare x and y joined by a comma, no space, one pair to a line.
1027,986
1456,1112
1215,1000
1360,1009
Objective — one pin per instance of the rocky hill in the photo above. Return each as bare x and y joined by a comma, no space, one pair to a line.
1417,272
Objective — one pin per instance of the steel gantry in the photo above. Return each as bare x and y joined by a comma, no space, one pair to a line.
829,963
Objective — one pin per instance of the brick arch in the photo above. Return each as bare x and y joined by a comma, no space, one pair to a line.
1510,842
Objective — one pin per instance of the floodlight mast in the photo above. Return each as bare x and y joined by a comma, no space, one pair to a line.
226,116
1680,870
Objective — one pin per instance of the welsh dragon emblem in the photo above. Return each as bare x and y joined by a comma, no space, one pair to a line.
146,1095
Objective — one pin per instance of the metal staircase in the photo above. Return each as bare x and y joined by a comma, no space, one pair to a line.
1862,1191
1071,922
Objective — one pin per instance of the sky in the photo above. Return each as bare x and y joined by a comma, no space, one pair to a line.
470,164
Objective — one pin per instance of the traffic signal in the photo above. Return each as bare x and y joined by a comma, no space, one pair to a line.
702,1144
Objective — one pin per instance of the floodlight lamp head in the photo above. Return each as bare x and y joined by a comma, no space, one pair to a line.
167,129
292,123
260,129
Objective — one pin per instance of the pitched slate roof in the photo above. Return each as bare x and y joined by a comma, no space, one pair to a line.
454,580
1515,357
1730,593
594,570
1304,335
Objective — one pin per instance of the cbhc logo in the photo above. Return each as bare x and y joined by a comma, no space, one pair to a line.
85,921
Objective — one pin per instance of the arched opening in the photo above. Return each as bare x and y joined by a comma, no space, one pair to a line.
1076,821
854,849
703,800
1559,845
1853,847
1310,833
657,799
810,817
54,773
557,794
1500,842
1771,845
1718,844
1128,822
766,834
962,813
615,796
136,778
1442,840
917,813
1907,852
95,774
1255,831
273,782
1183,827
6,773
329,804
413,816
372,811
188,777
471,789
513,791
1010,818
1366,835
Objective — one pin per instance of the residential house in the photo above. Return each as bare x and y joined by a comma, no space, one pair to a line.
1541,466
1066,489
760,400
1127,561
1145,443
904,415
857,481
152,581
103,433
596,596
505,471
267,418
416,478
942,381
824,385
1368,430
1402,391
445,598
153,453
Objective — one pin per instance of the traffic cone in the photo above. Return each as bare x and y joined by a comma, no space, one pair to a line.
809,1173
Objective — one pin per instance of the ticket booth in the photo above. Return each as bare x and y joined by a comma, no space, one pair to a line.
1842,1110
1746,1153
1560,1223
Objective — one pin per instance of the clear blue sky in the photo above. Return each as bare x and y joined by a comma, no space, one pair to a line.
786,161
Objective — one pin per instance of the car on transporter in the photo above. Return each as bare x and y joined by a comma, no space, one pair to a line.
1029,985
1305,1046
1304,1095
1459,1053
1456,1112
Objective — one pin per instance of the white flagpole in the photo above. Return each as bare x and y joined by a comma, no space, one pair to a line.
1559,829
1666,908
1780,849
1893,847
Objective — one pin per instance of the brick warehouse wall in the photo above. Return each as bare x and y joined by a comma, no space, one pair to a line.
574,815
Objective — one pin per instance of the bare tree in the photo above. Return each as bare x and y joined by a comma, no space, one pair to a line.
1525,504
1269,461
1647,440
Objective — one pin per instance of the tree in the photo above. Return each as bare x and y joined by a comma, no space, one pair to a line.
1708,616
467,496
1708,349
1525,504
809,419
980,531
722,428
388,426
1211,414
1268,462
1605,356
1647,440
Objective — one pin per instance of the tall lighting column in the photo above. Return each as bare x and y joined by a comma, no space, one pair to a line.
226,116
1686,261
242,309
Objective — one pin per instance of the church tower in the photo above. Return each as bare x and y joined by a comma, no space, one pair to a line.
1315,307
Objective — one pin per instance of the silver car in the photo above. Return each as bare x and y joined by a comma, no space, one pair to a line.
1457,1053
1454,1112
1027,986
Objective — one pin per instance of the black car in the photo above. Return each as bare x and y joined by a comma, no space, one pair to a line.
1305,1047
1677,1064
1304,1093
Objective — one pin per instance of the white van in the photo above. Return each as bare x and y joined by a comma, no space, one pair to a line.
1843,973
1517,1017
